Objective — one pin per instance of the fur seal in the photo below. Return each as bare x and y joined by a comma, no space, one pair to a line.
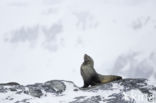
91,77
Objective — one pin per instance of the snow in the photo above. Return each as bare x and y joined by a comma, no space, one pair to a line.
72,92
32,51
11,97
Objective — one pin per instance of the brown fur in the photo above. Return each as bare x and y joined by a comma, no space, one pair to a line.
91,77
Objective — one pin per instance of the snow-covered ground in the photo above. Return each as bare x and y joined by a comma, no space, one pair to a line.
123,91
42,40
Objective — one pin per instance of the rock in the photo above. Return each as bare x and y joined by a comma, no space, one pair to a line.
54,86
10,83
35,92
2,89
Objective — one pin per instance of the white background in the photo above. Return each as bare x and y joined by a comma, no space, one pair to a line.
42,40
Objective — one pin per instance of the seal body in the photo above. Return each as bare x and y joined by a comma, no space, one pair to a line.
88,72
91,77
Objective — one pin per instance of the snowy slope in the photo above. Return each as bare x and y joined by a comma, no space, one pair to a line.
58,91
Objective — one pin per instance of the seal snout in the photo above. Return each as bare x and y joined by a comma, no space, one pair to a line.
86,57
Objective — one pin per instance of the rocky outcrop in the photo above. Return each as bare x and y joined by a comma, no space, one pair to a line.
60,91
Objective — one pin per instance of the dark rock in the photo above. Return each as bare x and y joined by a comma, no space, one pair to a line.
10,83
54,86
13,89
35,92
2,89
